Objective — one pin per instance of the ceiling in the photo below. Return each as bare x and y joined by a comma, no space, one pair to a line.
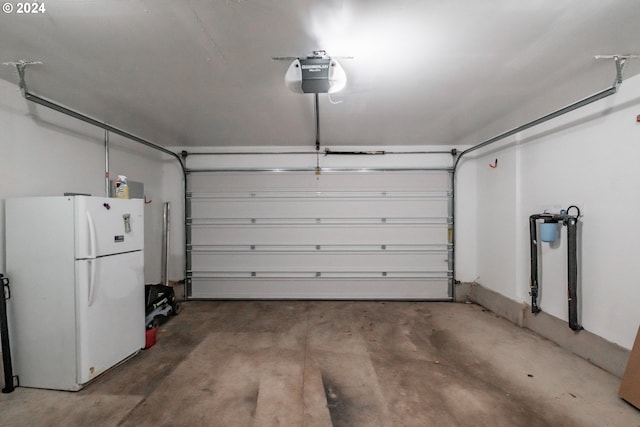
423,72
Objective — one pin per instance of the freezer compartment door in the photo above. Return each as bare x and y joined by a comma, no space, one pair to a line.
106,226
110,307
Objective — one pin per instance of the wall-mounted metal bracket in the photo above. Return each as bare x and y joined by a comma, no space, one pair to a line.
621,62
20,67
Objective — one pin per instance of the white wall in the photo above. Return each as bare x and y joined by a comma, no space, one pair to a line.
588,158
45,153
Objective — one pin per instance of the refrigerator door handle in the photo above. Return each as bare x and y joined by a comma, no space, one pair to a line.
92,280
92,257
92,237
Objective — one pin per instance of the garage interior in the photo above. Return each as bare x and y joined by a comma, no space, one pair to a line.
358,248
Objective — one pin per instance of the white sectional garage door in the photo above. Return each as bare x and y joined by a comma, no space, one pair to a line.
339,235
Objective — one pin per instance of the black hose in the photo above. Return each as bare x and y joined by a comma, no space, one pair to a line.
4,333
572,282
574,207
534,263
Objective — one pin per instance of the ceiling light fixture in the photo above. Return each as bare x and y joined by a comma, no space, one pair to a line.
317,73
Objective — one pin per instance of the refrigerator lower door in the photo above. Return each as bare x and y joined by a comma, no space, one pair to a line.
110,312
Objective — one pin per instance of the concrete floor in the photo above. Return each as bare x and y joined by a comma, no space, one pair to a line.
296,363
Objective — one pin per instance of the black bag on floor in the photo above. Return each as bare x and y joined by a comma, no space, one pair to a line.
160,303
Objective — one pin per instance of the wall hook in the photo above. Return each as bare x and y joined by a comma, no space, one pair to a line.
494,164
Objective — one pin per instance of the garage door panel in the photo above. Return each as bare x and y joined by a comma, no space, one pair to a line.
336,181
382,234
343,235
320,289
320,208
319,262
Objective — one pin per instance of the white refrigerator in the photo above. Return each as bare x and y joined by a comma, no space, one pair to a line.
77,287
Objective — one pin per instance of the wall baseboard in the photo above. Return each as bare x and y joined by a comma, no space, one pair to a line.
602,353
